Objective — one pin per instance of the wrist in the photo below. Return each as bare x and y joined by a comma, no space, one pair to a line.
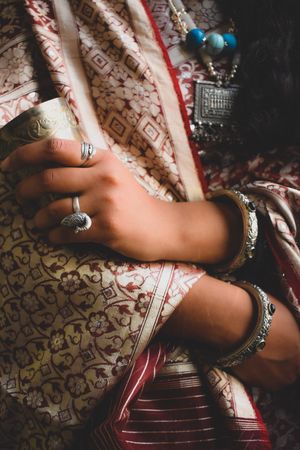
203,232
214,314
160,240
245,209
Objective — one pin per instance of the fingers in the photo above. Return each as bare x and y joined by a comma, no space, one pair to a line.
51,216
56,151
63,235
59,180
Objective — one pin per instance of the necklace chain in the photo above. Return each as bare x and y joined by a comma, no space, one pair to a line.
183,24
180,25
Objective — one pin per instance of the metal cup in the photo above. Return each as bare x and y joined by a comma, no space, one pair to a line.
47,120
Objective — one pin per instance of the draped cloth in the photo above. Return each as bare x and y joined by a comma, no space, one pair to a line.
80,363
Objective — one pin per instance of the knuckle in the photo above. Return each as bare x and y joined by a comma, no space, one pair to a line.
47,179
54,146
108,178
110,204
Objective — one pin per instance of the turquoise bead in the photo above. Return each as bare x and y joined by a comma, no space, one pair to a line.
195,38
230,42
214,44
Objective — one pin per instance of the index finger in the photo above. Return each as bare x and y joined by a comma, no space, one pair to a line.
57,151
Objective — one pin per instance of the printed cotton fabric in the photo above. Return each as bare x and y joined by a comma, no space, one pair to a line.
79,363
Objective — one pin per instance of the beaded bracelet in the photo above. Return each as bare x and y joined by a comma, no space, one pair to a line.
250,227
257,339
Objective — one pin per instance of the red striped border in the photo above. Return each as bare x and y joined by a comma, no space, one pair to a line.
176,86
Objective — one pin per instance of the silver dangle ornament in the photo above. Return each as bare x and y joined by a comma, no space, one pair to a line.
214,107
79,221
213,121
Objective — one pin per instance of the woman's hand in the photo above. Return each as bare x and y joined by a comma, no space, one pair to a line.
278,365
124,216
220,316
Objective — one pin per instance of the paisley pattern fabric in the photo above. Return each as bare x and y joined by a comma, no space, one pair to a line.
76,367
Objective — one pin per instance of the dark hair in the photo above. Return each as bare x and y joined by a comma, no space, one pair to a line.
269,101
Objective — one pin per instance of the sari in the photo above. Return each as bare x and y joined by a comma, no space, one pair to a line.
81,364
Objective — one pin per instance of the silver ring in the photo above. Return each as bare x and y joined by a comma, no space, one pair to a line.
87,151
78,220
75,204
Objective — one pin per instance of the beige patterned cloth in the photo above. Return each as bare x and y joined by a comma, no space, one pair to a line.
72,320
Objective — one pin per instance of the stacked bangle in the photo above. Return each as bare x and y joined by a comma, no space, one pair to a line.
250,227
257,340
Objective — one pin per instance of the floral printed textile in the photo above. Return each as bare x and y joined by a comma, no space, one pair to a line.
73,321
76,366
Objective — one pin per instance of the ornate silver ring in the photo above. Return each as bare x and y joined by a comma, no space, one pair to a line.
79,221
87,151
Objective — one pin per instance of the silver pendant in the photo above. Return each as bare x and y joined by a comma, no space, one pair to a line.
213,114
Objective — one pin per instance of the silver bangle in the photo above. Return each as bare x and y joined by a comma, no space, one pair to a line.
257,339
250,225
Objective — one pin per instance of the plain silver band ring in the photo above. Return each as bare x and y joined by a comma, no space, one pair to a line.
75,204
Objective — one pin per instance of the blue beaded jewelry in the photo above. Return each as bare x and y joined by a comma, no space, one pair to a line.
206,46
195,39
214,44
230,42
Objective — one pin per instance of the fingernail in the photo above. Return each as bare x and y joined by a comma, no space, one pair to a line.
5,164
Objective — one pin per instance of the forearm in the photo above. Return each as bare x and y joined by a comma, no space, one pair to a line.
219,316
124,217
213,312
